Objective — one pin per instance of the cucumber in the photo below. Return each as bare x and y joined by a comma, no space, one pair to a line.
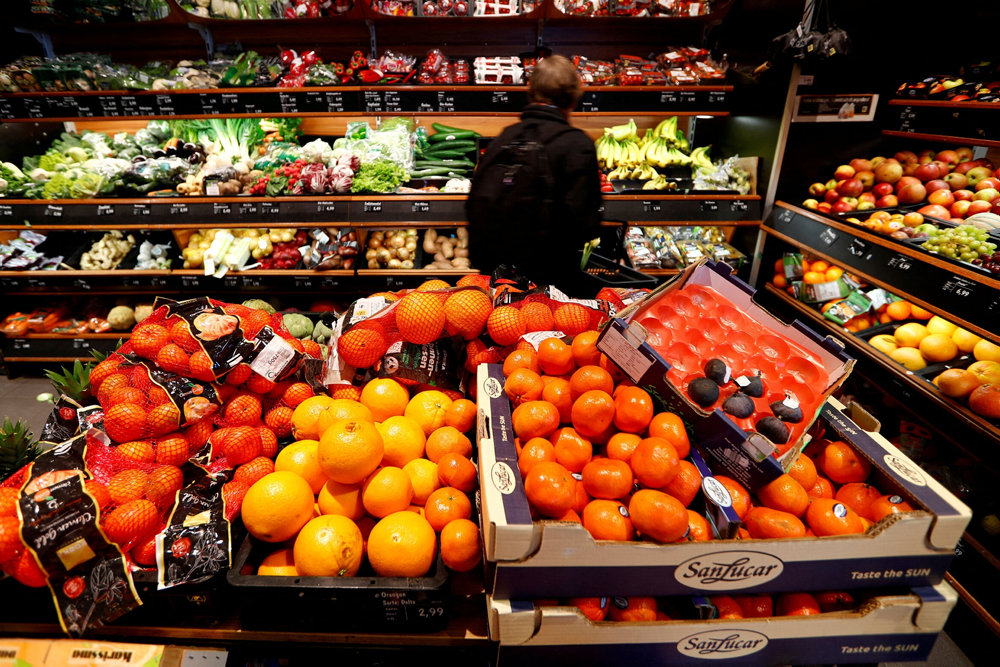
438,155
451,146
438,171
438,127
450,163
451,136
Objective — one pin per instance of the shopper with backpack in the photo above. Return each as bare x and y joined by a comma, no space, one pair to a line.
536,196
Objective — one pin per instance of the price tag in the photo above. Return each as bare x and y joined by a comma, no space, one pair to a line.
373,207
420,207
221,209
129,104
425,107
652,207
132,282
303,282
717,97
146,105
326,207
33,108
446,101
140,209
392,101
230,281
785,215
109,106
251,281
178,209
105,210
231,102
53,211
270,208
828,236
22,344
10,283
81,344
858,248
688,97
80,283
209,103
6,110
709,206
6,211
329,283
165,104
248,209
900,263
669,97
158,281
959,286
190,281
373,100
288,102
739,206
500,97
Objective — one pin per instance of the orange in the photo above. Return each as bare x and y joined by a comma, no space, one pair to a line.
523,385
621,445
592,413
328,546
755,606
633,409
819,266
584,349
445,505
616,373
726,606
813,277
10,538
985,350
423,476
343,499
883,506
803,471
859,497
779,280
658,516
385,398
631,609
555,357
571,318
348,391
350,450
402,544
918,313
9,497
428,408
936,348
457,471
140,451
957,382
842,465
432,285
596,609
302,458
127,485
505,325
387,490
557,391
461,414
572,450
985,400
670,426
654,462
537,316
521,359
835,601
403,440
460,549
608,520
898,310
588,378
785,494
698,528
533,452
826,516
685,484
766,523
447,439
833,273
739,494
128,523
607,478
280,563
314,415
277,506
550,488
466,312
420,317
361,347
821,489
535,419
796,604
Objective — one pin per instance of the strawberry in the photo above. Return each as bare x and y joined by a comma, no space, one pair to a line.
132,521
172,450
173,359
253,470
128,485
125,421
164,483
243,410
147,339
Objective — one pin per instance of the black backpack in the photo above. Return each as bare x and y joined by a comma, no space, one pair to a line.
510,203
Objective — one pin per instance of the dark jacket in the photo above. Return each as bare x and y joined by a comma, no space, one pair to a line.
550,255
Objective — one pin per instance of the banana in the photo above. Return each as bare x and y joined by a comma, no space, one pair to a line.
682,143
667,129
699,158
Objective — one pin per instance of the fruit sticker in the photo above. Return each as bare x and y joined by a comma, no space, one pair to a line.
87,574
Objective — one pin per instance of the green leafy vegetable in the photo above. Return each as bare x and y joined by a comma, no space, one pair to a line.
379,176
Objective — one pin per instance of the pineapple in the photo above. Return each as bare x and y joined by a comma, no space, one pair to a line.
17,447
74,382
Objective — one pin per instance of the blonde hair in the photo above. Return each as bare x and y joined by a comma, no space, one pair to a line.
555,81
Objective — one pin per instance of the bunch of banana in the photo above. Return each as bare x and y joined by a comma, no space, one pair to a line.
659,182
660,153
669,132
641,172
700,159
626,132
612,153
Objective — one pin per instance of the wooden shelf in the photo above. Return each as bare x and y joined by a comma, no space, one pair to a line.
944,121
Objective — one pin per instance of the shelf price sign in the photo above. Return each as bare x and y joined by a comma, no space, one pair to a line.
834,108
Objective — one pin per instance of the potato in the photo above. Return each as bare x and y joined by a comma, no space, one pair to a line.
461,252
430,236
448,249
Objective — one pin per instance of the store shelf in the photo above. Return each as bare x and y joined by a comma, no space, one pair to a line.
348,101
57,347
917,386
956,122
962,295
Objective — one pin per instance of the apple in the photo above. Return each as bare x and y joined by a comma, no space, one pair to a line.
831,184
934,211
911,193
882,189
977,174
978,206
910,168
888,172
811,204
987,194
852,187
850,201
817,189
941,197
865,206
867,196
860,164
960,208
824,207
943,167
876,161
844,172
887,201
841,206
906,180
831,196
964,167
985,162
996,174
964,154
963,194
905,156
925,156
990,182
948,156
927,172
893,225
925,228
937,184
867,178
956,181
995,209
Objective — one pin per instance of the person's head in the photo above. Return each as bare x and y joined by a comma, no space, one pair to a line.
555,81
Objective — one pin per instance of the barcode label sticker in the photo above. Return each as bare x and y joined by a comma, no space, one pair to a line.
273,359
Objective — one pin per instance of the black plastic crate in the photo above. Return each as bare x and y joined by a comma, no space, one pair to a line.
605,272
321,604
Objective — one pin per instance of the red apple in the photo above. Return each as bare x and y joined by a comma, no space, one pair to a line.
943,167
852,187
844,172
912,193
909,168
935,211
941,197
991,182
876,161
888,201
978,206
867,178
948,156
817,189
985,162
888,172
964,167
987,194
925,156
964,194
811,204
905,156
956,181
831,196
882,189
860,164
824,207
964,154
841,206
936,184
927,172
906,180
867,197
996,174
960,209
